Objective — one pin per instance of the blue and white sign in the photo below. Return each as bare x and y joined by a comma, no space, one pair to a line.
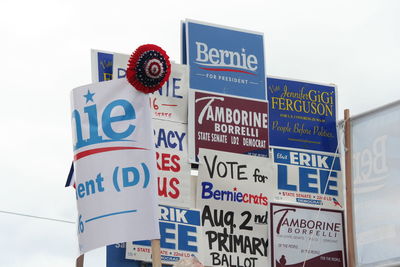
115,166
180,232
309,178
302,115
225,60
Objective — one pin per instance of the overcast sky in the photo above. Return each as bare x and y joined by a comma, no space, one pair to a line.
45,52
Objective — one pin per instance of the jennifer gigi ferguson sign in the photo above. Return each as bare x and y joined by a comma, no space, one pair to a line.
302,115
230,124
302,236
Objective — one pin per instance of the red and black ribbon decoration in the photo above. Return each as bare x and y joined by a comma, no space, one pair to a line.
148,68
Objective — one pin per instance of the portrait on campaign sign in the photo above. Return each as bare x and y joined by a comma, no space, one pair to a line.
304,236
180,231
233,195
115,167
302,115
308,178
228,124
225,60
174,178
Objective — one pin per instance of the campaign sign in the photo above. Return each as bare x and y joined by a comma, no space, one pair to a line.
174,179
180,230
116,257
115,167
229,124
102,65
233,194
302,115
225,60
167,103
308,178
303,236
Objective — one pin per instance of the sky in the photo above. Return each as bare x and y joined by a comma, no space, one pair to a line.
45,47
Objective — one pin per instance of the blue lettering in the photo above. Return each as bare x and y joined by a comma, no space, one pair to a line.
184,238
165,235
175,87
78,129
206,192
125,176
93,124
306,180
283,179
107,120
171,139
326,183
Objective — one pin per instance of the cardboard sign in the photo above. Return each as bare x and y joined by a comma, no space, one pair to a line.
233,194
168,103
225,60
302,115
180,230
114,161
228,124
303,236
308,178
174,179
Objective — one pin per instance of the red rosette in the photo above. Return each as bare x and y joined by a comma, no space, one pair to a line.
148,68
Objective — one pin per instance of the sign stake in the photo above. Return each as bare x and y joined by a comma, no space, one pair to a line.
349,189
156,252
79,260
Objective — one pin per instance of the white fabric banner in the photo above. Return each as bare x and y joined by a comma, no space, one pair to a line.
376,186
115,165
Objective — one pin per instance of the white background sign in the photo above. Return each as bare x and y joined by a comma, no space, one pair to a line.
233,194
114,164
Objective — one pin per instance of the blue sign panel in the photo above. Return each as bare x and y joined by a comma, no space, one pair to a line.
227,61
105,66
116,257
302,115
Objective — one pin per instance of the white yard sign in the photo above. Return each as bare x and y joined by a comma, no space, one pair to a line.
115,165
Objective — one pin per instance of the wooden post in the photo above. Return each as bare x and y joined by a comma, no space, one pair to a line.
349,190
156,252
79,260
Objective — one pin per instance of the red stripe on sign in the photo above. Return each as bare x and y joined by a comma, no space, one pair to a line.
169,105
103,149
232,70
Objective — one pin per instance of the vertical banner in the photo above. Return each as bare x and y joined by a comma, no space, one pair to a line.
229,124
225,60
376,185
308,178
233,194
115,165
174,178
303,236
302,115
180,231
